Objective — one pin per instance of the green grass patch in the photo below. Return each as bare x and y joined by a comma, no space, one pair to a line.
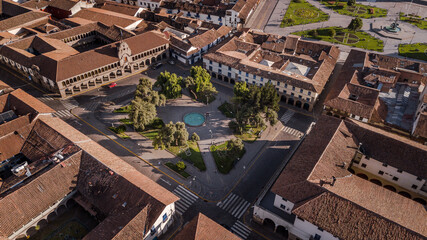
417,50
358,10
414,20
227,109
124,109
250,134
301,12
150,134
195,156
126,121
172,166
120,131
359,39
224,160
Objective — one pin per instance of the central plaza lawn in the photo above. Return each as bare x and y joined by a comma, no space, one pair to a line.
416,50
195,156
414,20
227,109
358,10
124,109
119,131
301,12
224,159
359,39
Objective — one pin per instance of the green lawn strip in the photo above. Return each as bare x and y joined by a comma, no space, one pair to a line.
118,133
223,159
302,13
150,134
195,157
366,41
250,134
173,167
417,50
358,10
124,109
126,121
227,109
414,20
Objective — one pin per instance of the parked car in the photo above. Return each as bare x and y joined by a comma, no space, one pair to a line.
157,65
111,85
171,62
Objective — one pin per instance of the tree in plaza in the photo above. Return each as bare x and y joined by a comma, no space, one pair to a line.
181,134
269,97
258,120
240,91
199,83
235,146
355,24
145,92
142,113
180,165
170,84
351,2
195,137
271,116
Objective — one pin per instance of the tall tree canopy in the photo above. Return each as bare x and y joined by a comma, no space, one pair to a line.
142,113
170,84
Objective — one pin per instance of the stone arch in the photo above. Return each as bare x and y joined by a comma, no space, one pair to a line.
405,194
31,231
70,203
420,200
214,75
282,231
119,72
61,209
232,81
391,188
306,106
298,104
220,77
153,60
147,62
226,79
291,101
361,175
269,223
42,223
164,55
112,75
142,64
283,98
159,57
376,181
22,237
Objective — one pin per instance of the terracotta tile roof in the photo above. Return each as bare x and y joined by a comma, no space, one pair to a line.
15,124
38,195
204,39
76,21
349,221
63,4
421,127
224,30
107,17
22,20
217,10
338,206
120,8
203,228
246,9
36,4
25,103
11,143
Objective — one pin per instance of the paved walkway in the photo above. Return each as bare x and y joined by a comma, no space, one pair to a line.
390,45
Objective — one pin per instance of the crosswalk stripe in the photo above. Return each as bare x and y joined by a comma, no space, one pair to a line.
243,210
185,194
238,206
240,233
236,203
192,194
242,226
228,200
184,199
237,211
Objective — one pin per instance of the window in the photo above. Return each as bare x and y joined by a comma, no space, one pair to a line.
219,65
399,171
262,79
292,94
308,99
254,76
229,68
282,206
380,172
210,68
278,83
165,217
246,80
247,74
240,72
260,84
284,91
293,88
210,61
309,93
385,165
229,74
395,178
253,82
153,230
414,186
301,91
300,97
363,165
286,85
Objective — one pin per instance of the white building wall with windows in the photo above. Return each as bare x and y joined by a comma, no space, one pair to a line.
311,230
162,224
389,173
202,16
283,204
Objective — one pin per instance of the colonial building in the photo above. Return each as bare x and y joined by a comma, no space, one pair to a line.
14,17
348,180
126,9
109,18
419,128
66,8
298,69
368,81
47,167
219,12
85,57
